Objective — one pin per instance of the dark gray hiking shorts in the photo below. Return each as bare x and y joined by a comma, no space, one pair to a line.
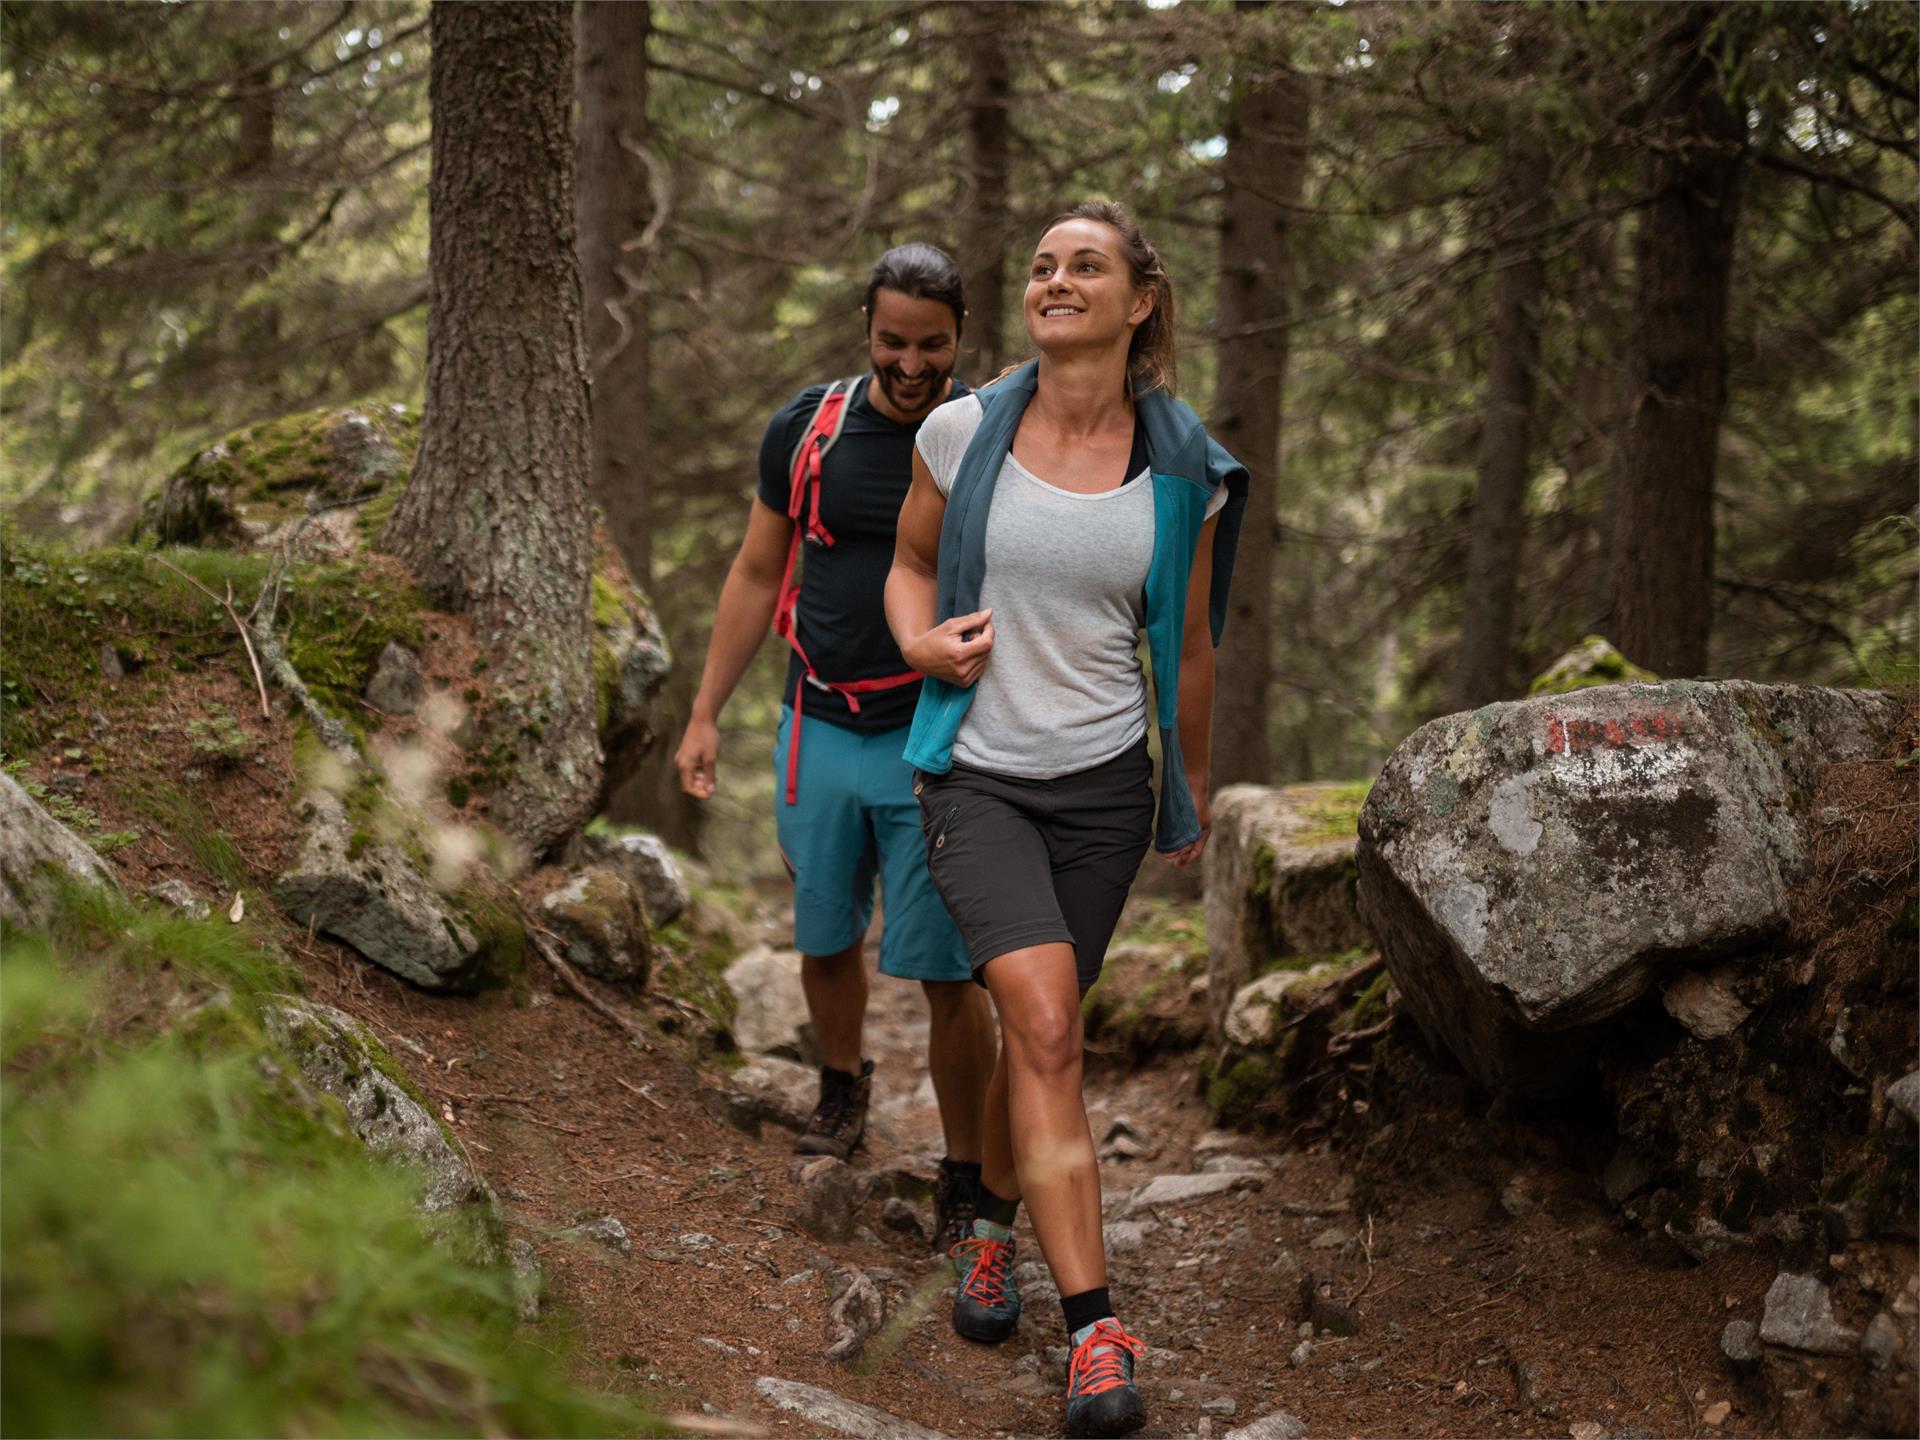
1029,862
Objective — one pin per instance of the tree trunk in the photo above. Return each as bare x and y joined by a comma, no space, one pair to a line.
1505,460
983,186
1265,167
1662,556
495,520
614,203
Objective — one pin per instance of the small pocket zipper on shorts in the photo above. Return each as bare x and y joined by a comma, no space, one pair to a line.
940,839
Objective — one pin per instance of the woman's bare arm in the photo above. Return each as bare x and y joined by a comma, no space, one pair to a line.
955,650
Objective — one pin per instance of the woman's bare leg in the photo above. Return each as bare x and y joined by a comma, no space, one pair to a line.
1035,1112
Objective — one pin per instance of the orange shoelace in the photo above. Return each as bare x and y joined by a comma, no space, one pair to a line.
1092,1374
987,1278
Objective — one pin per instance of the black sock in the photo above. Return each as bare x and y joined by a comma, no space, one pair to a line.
996,1208
1085,1308
968,1168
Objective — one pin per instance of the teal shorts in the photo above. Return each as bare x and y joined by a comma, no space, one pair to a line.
856,821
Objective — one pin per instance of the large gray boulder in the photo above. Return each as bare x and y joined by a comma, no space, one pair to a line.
367,891
1279,881
1531,868
37,855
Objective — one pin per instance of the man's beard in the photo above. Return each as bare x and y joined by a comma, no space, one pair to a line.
890,380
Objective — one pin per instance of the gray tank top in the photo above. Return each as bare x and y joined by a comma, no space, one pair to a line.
1066,578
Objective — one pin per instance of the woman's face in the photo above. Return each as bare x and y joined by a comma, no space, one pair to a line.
1080,291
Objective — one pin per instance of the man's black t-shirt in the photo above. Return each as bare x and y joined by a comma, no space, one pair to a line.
841,619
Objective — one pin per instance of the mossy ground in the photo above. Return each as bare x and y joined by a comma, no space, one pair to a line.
194,1244
60,609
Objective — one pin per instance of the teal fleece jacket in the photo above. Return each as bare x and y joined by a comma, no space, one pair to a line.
1186,467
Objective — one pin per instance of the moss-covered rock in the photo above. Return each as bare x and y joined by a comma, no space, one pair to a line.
1592,662
1284,1026
1280,882
597,913
41,856
1150,1000
354,882
252,488
340,1056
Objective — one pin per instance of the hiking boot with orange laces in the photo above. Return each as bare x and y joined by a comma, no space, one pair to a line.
1101,1399
986,1306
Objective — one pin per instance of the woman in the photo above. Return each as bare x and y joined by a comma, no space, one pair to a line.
1051,518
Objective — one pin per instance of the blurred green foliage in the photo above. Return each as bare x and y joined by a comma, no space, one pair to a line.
194,1244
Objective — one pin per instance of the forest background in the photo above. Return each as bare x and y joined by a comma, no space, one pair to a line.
1531,321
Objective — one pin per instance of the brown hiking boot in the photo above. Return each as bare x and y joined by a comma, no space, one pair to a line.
956,1200
839,1121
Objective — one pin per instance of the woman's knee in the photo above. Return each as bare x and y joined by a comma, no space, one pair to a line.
1044,1040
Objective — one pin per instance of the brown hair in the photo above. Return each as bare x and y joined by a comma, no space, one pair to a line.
1151,358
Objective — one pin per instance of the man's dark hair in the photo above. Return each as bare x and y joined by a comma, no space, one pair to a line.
919,272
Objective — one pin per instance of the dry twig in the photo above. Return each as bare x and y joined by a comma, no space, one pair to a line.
543,942
239,625
639,1090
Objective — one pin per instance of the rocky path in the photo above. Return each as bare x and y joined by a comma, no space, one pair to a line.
1273,1302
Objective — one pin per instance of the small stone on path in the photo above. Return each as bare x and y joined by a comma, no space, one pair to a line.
1125,1235
181,896
1740,1343
606,1231
1799,1315
1716,1414
1881,1343
1586,1430
896,1214
839,1414
1905,1095
1185,1189
1302,1353
1277,1426
825,1207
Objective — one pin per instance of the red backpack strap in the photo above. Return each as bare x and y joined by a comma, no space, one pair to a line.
803,497
803,508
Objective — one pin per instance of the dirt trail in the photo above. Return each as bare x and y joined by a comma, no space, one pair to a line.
1471,1319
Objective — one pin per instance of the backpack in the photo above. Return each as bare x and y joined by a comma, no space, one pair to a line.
803,508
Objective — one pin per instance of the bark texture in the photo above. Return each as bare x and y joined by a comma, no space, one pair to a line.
1661,566
1264,168
983,198
495,520
1504,465
614,204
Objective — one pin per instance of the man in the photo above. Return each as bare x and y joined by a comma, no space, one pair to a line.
845,806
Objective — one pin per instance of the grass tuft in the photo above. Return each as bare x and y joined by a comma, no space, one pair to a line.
192,1244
